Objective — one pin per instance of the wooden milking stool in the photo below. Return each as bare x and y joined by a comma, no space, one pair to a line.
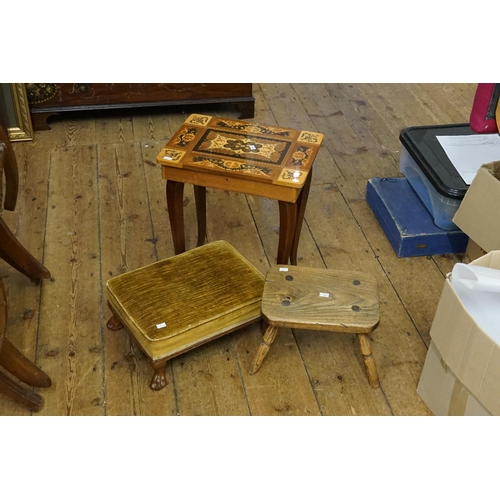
320,299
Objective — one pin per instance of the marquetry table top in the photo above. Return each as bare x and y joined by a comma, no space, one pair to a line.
233,148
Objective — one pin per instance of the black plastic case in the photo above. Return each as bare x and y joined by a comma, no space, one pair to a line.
423,146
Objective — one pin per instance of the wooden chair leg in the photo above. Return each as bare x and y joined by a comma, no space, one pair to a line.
18,365
11,172
20,394
264,347
21,367
366,351
158,381
18,257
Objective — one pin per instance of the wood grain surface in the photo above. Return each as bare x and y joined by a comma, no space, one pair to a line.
91,205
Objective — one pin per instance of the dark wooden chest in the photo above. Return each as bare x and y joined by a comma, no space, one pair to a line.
48,99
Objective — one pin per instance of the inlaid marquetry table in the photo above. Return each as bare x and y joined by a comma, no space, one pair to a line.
243,157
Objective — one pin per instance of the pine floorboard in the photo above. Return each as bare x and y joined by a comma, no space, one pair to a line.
92,205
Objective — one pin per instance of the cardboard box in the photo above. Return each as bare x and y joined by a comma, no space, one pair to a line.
472,252
471,354
443,392
479,213
406,222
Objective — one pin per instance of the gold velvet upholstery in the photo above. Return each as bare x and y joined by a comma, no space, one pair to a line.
179,303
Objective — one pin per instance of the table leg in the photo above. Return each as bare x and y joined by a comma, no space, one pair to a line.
175,191
288,223
200,198
301,204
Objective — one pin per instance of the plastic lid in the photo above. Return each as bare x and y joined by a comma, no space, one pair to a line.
423,146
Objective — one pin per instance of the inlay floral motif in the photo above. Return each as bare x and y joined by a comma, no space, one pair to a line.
253,128
185,137
312,137
291,175
172,155
301,156
241,146
200,120
231,165
236,145
41,92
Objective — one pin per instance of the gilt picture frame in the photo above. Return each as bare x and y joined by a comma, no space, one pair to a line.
15,111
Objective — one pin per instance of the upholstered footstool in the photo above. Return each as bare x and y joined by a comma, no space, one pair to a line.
179,303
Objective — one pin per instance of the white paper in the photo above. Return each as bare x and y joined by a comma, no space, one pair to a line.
478,278
469,152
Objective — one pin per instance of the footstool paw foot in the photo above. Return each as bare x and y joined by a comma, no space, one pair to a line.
114,324
158,382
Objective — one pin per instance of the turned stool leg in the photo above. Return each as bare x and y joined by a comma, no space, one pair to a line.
264,347
366,351
158,381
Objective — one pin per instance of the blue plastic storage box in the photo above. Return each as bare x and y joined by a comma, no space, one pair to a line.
407,224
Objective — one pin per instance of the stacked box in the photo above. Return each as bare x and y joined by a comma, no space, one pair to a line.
479,213
461,374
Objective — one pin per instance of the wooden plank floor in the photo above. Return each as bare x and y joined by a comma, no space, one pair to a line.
92,205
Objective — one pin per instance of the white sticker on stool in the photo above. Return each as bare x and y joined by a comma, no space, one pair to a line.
284,269
161,325
324,294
